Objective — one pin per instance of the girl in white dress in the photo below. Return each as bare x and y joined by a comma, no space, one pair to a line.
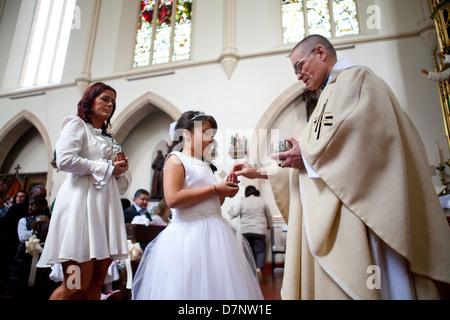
198,256
87,230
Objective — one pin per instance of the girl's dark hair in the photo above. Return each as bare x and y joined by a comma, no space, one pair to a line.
187,121
85,104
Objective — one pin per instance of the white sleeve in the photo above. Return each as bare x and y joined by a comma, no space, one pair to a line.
23,233
439,76
447,58
68,149
311,172
123,182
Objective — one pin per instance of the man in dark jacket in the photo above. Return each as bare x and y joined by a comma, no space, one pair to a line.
138,207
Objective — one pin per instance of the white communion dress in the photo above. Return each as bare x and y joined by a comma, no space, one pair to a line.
87,220
198,256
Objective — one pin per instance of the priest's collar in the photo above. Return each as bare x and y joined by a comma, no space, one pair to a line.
341,65
324,84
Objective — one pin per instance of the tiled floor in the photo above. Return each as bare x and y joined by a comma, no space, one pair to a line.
271,283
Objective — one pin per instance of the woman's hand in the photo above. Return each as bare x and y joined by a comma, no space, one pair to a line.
120,164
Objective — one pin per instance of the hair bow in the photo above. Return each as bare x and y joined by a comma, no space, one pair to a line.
173,125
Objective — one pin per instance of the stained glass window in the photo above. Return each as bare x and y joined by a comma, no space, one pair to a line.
330,18
144,34
293,20
318,17
345,17
164,32
182,40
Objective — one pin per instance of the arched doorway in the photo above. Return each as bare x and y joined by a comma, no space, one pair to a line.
19,138
285,118
142,129
140,109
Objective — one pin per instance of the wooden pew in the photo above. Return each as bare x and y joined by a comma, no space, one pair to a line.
137,234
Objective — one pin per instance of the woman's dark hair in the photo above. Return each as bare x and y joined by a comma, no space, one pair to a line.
85,104
187,121
251,190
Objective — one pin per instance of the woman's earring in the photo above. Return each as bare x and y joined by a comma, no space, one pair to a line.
106,123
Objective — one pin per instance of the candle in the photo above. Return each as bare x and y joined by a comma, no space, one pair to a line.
438,152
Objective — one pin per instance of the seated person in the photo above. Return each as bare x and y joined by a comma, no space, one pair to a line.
161,216
20,268
138,207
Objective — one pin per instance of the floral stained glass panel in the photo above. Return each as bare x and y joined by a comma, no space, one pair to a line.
144,34
318,17
345,17
161,52
183,28
321,16
293,21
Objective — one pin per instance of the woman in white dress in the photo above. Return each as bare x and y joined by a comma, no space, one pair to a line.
87,229
198,256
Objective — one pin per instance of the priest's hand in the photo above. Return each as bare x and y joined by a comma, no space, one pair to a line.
246,170
291,158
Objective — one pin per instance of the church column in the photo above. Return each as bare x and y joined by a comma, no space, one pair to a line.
84,78
229,57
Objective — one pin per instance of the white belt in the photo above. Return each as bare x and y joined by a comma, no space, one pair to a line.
197,215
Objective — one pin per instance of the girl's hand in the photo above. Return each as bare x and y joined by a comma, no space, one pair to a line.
226,189
232,177
120,164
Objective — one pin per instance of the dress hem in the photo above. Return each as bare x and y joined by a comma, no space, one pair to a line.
50,263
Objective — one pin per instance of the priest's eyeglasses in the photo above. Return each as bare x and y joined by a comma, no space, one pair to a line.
298,67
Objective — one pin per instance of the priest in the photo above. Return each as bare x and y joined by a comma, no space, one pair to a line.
364,221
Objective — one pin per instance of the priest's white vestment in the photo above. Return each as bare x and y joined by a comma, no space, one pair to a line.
367,179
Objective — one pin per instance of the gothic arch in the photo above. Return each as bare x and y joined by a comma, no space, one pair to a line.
138,110
281,104
279,109
15,128
275,112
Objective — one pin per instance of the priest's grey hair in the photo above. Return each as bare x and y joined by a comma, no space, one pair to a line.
312,41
